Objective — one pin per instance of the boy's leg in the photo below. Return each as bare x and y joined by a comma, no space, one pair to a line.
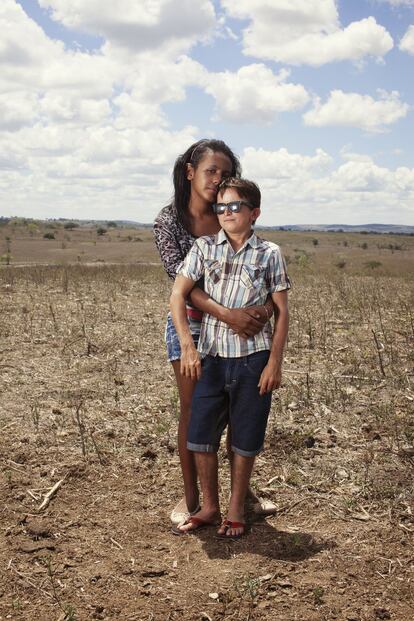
241,470
248,418
261,506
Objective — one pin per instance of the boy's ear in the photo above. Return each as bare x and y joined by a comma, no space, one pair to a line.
255,214
190,172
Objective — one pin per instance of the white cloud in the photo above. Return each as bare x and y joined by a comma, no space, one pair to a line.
355,110
306,32
299,188
40,63
254,93
127,174
159,79
281,164
56,107
354,157
89,172
407,42
17,111
42,80
361,176
398,2
138,26
80,130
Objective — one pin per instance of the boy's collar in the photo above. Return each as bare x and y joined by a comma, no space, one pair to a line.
252,240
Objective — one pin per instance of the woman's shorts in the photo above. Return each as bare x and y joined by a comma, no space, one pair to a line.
172,340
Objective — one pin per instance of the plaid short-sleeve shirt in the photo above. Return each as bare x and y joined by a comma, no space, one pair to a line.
235,280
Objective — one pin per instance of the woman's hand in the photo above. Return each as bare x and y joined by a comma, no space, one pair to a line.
248,321
190,363
245,322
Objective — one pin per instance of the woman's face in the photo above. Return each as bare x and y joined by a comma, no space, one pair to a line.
210,171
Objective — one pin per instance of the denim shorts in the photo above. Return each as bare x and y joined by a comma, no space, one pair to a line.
227,393
171,337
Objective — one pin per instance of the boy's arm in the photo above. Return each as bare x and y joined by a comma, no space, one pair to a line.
190,360
272,373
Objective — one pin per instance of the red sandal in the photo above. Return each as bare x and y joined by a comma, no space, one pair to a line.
227,525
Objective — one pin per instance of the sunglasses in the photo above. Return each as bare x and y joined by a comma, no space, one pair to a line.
233,207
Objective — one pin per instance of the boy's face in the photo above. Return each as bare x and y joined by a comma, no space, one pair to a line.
236,223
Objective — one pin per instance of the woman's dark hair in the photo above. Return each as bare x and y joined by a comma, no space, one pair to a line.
193,156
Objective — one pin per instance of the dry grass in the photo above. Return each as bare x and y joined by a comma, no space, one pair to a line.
88,397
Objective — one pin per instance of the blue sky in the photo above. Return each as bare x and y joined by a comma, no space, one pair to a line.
316,97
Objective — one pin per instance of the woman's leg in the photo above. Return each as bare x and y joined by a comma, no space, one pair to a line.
188,468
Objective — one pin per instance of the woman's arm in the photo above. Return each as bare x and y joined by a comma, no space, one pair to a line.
170,252
190,365
245,322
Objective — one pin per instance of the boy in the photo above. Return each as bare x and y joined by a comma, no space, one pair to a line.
235,374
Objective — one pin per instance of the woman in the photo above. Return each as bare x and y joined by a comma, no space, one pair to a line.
197,174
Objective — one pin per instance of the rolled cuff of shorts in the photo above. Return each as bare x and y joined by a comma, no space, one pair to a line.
246,453
202,448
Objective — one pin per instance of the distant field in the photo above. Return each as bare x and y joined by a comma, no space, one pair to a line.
352,253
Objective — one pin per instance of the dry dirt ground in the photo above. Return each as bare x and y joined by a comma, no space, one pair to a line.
88,411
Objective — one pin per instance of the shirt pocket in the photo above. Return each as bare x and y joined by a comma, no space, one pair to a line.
252,276
213,271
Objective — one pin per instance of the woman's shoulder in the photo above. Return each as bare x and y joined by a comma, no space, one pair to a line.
167,225
167,215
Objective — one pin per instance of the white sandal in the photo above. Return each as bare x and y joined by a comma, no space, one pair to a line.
264,506
180,513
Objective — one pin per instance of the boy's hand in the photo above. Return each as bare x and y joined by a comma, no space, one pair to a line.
270,378
190,363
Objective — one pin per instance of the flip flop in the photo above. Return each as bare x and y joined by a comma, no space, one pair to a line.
227,524
197,522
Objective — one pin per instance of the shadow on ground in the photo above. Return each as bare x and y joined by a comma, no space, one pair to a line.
264,540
